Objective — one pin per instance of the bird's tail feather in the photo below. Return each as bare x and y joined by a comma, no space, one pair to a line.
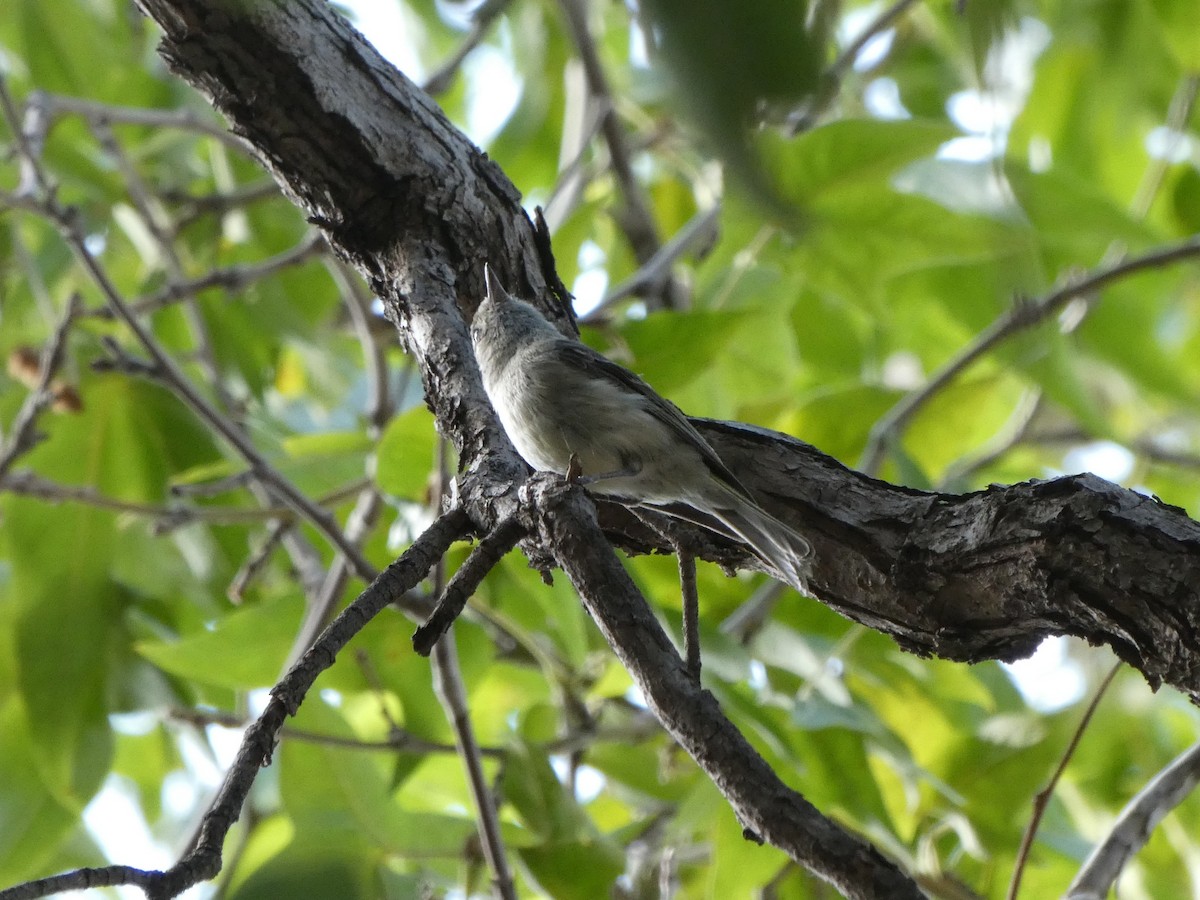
773,542
740,519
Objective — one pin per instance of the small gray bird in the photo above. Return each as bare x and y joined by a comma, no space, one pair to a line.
559,399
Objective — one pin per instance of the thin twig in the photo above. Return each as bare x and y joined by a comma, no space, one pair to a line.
195,206
54,106
231,279
249,570
637,221
748,619
576,166
1114,264
399,740
453,696
877,26
807,114
1013,433
365,514
153,216
481,20
1020,317
691,611
379,406
656,271
1178,113
321,604
643,727
30,484
23,435
1042,800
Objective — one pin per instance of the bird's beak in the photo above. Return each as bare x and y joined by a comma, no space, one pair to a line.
495,290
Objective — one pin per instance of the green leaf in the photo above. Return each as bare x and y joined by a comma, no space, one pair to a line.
343,794
283,861
542,802
1185,201
405,454
244,649
328,443
37,817
959,419
64,616
1179,30
577,869
690,342
851,153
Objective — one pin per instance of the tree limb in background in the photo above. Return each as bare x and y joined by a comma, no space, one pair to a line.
36,195
23,434
1134,826
452,694
1026,314
1022,315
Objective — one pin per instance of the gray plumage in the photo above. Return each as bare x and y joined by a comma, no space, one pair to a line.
557,398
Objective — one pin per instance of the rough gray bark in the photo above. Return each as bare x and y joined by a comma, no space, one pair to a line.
987,575
413,205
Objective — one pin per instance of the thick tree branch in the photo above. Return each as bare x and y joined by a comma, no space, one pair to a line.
988,575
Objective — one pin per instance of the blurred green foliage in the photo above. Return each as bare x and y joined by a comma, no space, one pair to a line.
973,162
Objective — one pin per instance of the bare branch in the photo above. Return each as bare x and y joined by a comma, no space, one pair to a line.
169,371
23,435
636,219
398,740
1178,114
53,106
321,604
1135,825
1025,314
874,28
691,612
481,20
379,406
656,271
452,694
194,206
1022,316
231,279
448,683
1042,800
